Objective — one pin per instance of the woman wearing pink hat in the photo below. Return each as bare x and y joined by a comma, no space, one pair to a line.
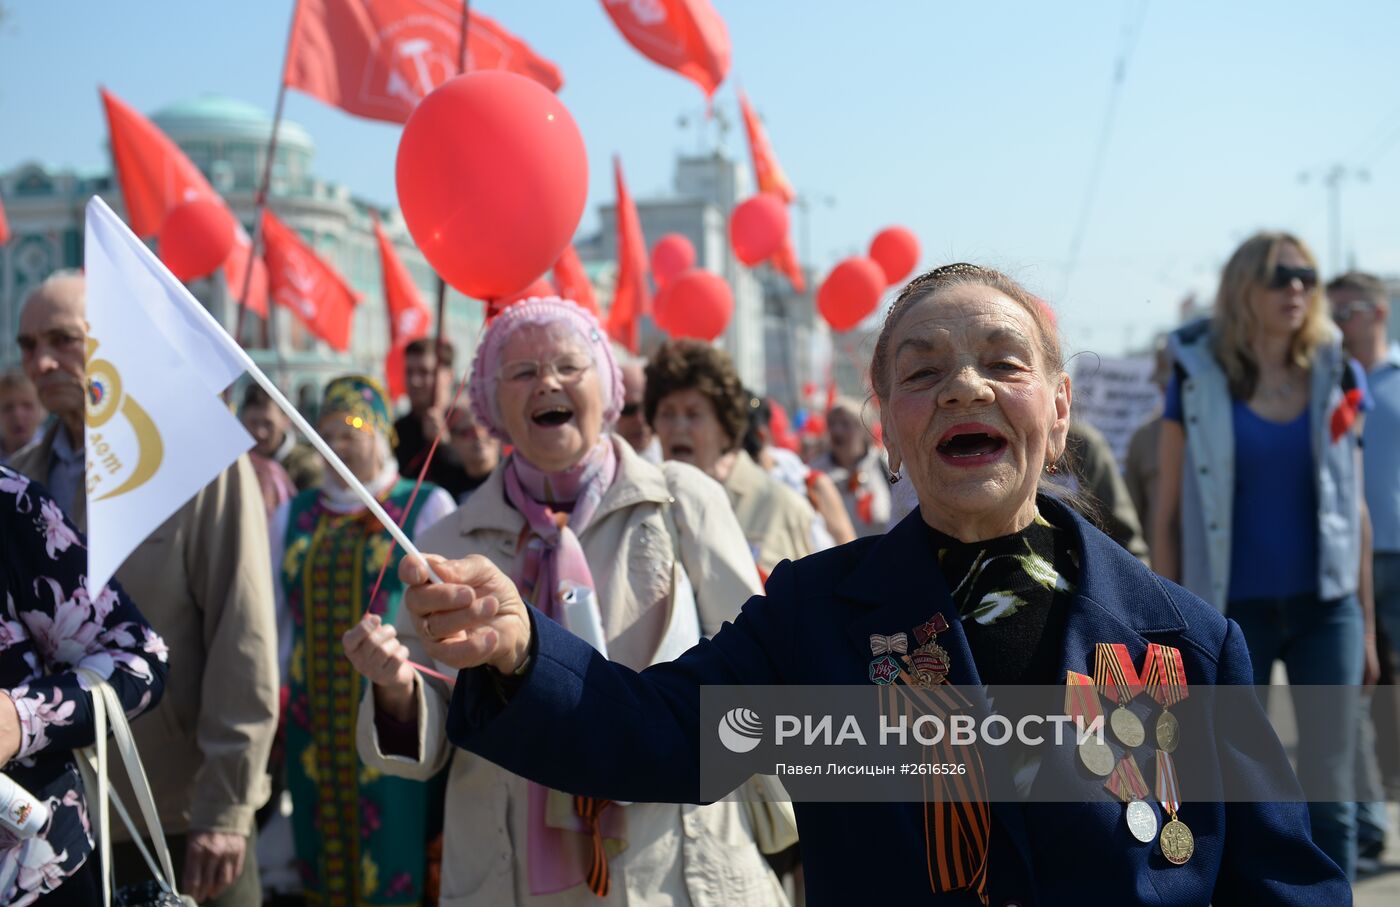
606,543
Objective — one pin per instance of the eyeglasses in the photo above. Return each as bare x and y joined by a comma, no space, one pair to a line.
568,369
1345,310
630,409
1284,276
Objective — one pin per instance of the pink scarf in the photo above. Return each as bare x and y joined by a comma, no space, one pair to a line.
550,564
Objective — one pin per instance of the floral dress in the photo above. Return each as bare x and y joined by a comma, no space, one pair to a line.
49,627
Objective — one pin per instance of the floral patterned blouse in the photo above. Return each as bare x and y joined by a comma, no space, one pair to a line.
49,626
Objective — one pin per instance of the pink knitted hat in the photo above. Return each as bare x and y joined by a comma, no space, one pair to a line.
543,312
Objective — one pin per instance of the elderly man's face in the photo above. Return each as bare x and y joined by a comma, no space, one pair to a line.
52,339
972,413
632,423
268,426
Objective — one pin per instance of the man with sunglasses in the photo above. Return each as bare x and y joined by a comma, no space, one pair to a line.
1361,307
631,422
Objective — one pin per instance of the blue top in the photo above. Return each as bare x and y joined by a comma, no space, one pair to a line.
1273,546
1381,461
581,724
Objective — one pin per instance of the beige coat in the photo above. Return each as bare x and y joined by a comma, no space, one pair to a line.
675,854
776,520
202,581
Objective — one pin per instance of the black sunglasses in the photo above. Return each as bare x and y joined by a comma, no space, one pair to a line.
1284,276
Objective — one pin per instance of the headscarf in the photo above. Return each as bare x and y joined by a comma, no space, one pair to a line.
541,312
366,406
550,569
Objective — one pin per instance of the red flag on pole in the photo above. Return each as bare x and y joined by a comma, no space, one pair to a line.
632,297
571,280
409,317
156,176
379,58
785,260
685,35
5,226
766,170
302,282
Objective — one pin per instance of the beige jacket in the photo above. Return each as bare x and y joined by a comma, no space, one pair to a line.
776,520
202,581
675,854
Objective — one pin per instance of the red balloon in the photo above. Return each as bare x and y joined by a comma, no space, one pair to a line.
540,287
896,251
758,227
492,178
671,256
697,304
196,238
850,293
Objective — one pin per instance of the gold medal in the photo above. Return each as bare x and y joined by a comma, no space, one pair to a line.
1177,842
1096,756
1168,732
1127,727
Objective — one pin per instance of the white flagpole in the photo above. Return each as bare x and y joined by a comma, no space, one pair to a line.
280,399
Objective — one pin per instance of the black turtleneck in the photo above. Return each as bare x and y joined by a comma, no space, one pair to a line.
1013,594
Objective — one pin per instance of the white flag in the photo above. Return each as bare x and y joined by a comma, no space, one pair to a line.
157,431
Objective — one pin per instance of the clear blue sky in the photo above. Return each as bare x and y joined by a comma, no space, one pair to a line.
975,124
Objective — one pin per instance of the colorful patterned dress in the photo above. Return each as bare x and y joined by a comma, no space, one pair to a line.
361,837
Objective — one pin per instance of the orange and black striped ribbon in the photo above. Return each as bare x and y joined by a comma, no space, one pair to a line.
957,819
1114,673
590,810
1166,675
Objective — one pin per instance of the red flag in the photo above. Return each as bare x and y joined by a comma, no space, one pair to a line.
685,35
379,58
4,226
785,260
409,317
571,280
155,176
302,282
632,297
766,170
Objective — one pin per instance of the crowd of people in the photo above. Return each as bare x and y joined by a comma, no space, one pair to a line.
524,732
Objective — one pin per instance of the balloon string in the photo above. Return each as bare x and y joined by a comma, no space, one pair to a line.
418,485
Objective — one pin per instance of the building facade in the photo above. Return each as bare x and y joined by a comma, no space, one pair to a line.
227,141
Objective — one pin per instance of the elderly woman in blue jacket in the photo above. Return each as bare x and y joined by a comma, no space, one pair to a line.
975,405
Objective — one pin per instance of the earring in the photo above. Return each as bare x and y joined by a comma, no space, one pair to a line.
892,477
1053,468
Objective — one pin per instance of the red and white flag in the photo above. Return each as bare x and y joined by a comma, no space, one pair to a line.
301,281
409,317
632,296
379,58
155,176
687,36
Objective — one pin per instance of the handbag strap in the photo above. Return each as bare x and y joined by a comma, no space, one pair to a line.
107,709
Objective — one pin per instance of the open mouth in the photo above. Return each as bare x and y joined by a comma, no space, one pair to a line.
971,443
552,416
680,452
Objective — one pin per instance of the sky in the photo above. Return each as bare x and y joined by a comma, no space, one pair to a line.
983,127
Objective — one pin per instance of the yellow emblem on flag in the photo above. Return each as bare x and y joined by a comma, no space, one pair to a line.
105,400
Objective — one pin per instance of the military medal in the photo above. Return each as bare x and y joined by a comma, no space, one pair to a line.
1117,679
884,645
929,663
1166,683
883,670
1082,705
1127,784
1177,842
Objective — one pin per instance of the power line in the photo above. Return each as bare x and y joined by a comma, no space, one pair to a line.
1132,30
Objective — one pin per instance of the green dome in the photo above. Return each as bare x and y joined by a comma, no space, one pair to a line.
215,117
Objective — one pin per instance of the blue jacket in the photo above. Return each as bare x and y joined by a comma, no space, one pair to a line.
582,724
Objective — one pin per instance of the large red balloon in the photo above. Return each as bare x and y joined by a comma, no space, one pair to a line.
672,256
539,287
196,238
492,178
896,251
758,227
850,293
696,304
